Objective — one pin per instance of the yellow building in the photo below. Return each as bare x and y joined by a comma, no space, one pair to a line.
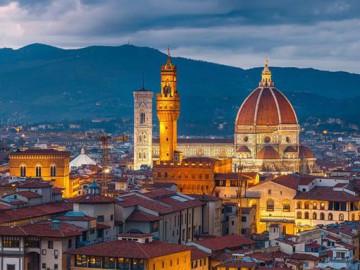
132,251
48,164
168,111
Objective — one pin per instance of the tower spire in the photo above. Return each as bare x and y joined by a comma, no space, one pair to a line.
169,65
266,76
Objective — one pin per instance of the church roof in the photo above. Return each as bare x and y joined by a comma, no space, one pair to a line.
290,149
243,149
268,152
266,105
82,159
305,152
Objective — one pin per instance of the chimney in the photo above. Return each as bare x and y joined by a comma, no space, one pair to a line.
56,224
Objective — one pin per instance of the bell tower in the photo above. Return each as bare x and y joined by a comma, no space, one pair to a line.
142,128
168,110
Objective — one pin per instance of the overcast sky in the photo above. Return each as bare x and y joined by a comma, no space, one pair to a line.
323,34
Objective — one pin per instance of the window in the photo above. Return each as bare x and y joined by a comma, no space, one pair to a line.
243,219
38,170
267,140
314,205
52,170
330,216
50,244
322,206
10,267
307,205
111,217
43,265
22,171
306,215
299,215
56,267
269,191
70,243
314,216
11,241
142,118
32,242
100,218
270,205
298,205
341,217
286,206
322,216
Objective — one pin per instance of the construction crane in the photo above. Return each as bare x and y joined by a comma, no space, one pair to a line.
104,139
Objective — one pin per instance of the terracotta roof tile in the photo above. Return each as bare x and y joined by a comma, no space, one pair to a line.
130,249
327,194
229,241
140,216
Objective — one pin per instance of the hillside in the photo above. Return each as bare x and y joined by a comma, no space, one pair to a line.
41,83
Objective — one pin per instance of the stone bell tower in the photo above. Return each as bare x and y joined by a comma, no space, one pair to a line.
142,128
168,111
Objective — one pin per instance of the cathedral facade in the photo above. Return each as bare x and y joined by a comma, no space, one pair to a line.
266,135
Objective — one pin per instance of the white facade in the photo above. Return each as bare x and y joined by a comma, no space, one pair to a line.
142,128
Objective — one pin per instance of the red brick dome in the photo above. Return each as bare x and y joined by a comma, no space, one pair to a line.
266,105
268,152
305,152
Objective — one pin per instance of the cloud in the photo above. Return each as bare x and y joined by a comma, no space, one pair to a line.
321,34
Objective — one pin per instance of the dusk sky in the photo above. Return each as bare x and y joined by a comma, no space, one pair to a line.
322,34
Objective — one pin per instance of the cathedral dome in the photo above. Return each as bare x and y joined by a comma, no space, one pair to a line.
268,152
305,152
266,105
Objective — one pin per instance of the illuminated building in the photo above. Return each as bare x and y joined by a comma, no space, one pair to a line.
132,251
142,128
168,111
48,164
194,175
266,135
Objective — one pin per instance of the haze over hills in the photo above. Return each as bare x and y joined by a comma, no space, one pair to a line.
44,83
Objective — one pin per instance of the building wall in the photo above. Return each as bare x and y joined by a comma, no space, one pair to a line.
180,261
30,161
280,195
142,128
195,177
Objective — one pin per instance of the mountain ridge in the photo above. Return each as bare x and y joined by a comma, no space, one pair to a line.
98,81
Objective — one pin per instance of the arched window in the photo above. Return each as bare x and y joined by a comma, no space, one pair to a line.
341,217
22,171
314,205
144,155
144,138
270,205
307,205
52,170
306,215
299,215
38,170
140,155
286,206
322,206
353,217
140,138
314,215
330,216
322,216
298,205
